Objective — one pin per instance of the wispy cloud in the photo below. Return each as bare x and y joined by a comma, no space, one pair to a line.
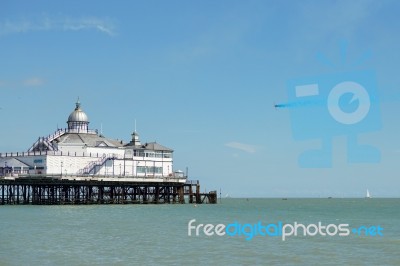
45,23
22,83
33,82
242,146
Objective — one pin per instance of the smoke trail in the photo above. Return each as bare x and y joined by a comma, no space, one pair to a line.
299,104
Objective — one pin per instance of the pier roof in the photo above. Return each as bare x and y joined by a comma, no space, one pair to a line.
154,146
12,161
91,140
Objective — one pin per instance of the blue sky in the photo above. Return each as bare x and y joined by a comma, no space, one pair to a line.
201,77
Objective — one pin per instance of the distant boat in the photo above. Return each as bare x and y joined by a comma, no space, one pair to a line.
227,196
368,196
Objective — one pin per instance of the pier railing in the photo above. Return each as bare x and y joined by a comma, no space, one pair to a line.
55,153
88,177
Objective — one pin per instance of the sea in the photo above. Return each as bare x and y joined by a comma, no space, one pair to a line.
232,232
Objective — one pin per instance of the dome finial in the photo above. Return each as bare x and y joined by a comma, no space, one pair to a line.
78,104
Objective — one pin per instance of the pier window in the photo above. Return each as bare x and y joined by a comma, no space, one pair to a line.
155,170
17,170
141,169
138,153
149,170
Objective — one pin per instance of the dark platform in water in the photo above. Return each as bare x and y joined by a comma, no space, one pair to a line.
48,191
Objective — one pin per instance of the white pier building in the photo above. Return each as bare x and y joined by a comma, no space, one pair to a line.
80,153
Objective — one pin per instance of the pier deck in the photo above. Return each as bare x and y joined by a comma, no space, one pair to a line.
48,191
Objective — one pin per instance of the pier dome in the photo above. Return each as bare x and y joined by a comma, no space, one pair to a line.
78,120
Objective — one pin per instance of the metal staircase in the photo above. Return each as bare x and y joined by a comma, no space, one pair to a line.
47,141
92,165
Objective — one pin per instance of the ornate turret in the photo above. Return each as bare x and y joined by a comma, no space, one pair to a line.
78,121
135,139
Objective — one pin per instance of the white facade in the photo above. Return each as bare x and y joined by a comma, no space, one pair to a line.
79,153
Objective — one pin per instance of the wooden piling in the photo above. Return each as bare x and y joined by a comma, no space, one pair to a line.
49,191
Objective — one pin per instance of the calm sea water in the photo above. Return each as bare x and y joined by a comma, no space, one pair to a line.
158,234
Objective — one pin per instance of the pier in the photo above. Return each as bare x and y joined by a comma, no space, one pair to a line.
77,165
49,191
